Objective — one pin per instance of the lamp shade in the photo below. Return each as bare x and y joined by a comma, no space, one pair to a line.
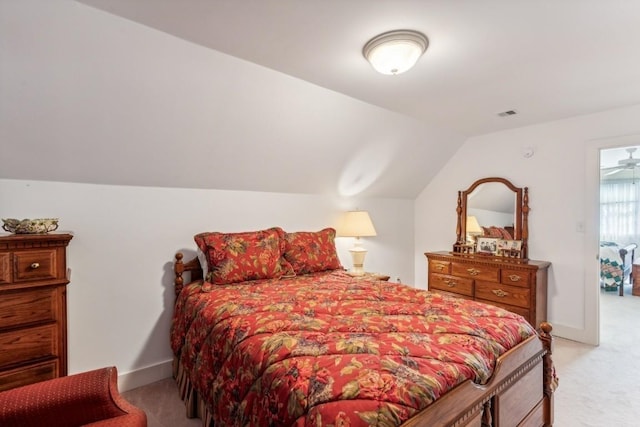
395,52
472,225
356,224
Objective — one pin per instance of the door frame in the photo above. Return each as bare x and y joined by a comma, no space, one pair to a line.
592,322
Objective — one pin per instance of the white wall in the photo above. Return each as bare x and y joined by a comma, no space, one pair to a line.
121,292
563,223
86,96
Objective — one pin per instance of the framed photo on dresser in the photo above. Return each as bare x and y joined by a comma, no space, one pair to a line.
487,245
509,248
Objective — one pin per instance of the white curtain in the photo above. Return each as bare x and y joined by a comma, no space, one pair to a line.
619,209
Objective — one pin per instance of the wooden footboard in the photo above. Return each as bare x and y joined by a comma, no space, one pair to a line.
520,392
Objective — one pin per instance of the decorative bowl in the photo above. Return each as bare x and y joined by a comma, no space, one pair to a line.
30,226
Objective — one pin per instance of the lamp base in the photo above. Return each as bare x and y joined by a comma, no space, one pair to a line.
357,257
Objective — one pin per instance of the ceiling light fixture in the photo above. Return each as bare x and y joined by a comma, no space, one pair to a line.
395,52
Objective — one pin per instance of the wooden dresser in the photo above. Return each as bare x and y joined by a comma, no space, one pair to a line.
517,285
33,308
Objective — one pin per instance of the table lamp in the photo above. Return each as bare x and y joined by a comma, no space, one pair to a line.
357,224
473,229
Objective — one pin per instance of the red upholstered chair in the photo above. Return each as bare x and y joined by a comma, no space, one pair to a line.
88,398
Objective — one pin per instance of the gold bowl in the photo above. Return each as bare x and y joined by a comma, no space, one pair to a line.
30,226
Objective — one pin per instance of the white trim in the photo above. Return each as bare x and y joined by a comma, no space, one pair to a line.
572,334
150,374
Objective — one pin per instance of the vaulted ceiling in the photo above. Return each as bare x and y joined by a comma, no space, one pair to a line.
547,59
275,95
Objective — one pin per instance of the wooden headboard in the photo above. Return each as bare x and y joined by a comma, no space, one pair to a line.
192,266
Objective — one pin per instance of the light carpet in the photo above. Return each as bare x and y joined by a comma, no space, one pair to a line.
599,386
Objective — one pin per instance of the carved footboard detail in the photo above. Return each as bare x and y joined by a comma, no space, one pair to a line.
550,379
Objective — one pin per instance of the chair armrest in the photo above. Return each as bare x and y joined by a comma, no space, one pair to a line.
87,398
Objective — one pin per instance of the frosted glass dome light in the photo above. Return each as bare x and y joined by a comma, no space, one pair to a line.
395,52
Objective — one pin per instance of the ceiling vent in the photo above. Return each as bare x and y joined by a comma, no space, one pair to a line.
508,113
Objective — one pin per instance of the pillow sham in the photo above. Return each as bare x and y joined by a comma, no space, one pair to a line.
312,251
499,232
239,257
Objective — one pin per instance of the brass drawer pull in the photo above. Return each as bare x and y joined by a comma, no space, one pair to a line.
514,278
450,283
473,271
500,293
439,267
35,265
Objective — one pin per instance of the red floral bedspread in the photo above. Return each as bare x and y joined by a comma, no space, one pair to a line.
330,350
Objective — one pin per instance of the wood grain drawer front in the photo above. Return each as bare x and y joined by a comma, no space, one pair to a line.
441,267
5,267
36,373
477,272
35,265
28,344
515,278
505,294
457,285
19,308
514,404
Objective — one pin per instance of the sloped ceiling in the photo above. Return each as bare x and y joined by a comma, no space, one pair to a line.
546,59
274,95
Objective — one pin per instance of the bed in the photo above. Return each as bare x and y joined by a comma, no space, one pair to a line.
270,330
616,264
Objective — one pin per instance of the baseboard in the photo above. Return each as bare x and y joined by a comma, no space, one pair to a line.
139,377
573,334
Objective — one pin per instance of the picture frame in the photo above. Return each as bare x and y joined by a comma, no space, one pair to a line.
487,245
509,248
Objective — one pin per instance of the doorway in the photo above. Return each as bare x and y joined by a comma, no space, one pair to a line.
594,148
619,223
597,149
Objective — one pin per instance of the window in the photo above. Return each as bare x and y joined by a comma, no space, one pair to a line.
619,211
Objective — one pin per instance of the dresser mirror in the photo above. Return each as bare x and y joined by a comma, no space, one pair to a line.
492,219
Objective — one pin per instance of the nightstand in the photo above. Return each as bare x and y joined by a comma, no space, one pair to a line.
370,276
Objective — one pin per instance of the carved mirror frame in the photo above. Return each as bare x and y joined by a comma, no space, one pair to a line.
521,214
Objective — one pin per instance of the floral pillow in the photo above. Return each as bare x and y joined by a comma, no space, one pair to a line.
498,232
310,252
238,257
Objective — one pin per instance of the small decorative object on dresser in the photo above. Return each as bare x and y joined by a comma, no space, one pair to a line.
33,308
487,245
30,226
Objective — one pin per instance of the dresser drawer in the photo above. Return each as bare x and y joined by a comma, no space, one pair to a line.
19,308
5,267
442,267
35,265
28,344
23,376
515,278
505,294
453,284
477,272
